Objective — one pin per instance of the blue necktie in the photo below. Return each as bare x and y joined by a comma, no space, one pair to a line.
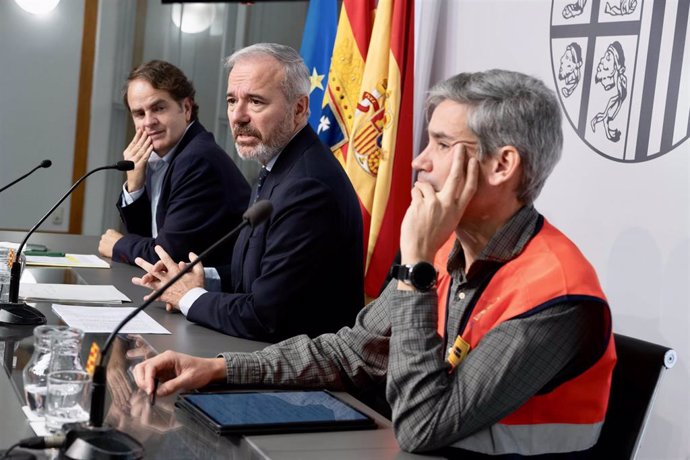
260,182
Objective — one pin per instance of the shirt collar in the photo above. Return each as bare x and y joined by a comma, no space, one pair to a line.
270,164
506,244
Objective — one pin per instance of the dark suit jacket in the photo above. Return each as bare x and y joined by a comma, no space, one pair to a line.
301,271
202,198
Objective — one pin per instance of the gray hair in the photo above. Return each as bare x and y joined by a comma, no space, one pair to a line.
295,83
509,108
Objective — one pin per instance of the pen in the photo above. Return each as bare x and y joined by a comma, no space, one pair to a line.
44,253
152,399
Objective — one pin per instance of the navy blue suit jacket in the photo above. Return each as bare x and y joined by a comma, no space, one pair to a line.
301,271
203,196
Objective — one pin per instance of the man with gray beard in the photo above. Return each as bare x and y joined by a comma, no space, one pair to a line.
301,271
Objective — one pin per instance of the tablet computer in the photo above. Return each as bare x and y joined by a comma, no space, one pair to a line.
273,411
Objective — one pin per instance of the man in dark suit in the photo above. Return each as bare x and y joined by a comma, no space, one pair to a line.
181,176
301,271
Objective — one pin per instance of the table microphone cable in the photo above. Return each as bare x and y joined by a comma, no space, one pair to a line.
36,442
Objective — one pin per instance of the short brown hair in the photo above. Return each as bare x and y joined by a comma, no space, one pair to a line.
166,77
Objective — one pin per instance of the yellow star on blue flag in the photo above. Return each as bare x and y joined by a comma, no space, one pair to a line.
315,80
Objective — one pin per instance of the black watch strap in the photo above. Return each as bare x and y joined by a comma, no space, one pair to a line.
422,275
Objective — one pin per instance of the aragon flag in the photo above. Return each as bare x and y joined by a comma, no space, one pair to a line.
345,75
379,154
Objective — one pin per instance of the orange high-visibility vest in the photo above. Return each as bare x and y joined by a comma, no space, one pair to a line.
443,281
549,271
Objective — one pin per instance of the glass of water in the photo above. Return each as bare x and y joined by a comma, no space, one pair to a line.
68,399
6,259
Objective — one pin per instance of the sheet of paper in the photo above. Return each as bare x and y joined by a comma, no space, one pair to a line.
70,260
105,319
72,293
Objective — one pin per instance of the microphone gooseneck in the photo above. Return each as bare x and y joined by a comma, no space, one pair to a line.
13,312
88,442
44,164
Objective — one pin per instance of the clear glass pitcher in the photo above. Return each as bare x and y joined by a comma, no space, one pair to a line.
66,350
35,374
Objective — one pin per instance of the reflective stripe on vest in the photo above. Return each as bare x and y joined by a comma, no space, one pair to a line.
568,418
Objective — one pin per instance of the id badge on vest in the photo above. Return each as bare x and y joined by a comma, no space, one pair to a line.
458,352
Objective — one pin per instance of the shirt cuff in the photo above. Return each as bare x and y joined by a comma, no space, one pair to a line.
242,368
413,309
129,198
212,279
187,300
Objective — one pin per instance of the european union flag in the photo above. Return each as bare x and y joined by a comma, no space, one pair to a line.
317,48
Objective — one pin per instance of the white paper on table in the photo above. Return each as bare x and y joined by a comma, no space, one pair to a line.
38,424
106,319
69,260
90,293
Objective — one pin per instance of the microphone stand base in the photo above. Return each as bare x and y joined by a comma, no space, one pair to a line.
20,314
103,443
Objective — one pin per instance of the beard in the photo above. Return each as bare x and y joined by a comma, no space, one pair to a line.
266,149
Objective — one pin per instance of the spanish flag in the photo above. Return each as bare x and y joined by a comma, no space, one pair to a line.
379,153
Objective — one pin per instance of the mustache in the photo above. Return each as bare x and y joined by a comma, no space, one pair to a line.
246,130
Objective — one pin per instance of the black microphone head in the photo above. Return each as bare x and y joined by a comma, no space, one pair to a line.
259,212
46,164
124,165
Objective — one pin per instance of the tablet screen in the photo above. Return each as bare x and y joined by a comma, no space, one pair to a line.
242,410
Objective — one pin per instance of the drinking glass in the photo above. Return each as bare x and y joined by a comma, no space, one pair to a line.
68,399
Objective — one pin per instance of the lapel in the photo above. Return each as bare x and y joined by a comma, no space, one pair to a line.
280,171
162,209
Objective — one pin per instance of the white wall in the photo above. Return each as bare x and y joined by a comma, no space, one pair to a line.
632,220
38,103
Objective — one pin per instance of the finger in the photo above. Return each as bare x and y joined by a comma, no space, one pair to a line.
198,268
416,193
171,386
159,267
145,373
139,282
453,186
144,264
471,180
135,139
169,307
425,189
165,258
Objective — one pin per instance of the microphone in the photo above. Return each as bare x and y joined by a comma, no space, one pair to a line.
44,164
94,440
13,312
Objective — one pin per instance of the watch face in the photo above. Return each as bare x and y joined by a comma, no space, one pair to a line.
423,276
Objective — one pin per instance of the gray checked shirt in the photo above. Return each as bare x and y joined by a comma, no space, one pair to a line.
394,338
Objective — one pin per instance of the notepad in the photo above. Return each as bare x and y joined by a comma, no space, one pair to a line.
72,293
70,260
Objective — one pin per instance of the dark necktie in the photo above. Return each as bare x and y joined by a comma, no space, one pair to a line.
260,182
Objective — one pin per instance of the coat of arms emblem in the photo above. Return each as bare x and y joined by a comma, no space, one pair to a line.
622,70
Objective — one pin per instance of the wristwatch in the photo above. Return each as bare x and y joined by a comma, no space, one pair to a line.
421,276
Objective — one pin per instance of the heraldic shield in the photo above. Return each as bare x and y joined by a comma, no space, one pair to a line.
621,69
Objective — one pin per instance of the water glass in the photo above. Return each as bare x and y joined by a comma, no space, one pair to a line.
68,399
6,259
